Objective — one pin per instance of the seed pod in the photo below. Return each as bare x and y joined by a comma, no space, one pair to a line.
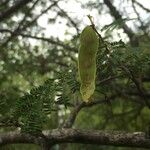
87,62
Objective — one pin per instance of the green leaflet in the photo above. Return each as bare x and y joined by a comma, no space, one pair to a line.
87,62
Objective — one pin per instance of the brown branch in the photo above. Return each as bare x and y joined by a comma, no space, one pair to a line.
26,15
142,27
20,23
69,18
59,43
108,79
38,16
138,85
146,9
110,138
19,28
140,88
115,13
7,13
71,119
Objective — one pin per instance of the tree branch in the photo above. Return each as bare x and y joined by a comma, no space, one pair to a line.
59,43
20,24
19,29
111,138
71,119
138,84
7,13
142,26
115,13
146,9
69,18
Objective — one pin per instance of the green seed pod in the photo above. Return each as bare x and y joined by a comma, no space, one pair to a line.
87,62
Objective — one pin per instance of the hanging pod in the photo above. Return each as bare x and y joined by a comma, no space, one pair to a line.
87,62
